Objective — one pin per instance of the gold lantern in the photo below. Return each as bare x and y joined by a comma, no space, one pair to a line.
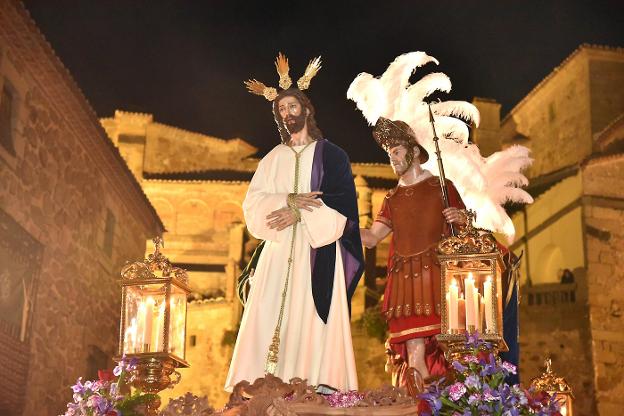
153,321
471,269
555,385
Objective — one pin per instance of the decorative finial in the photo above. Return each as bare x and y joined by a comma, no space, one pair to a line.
155,262
158,243
281,65
311,70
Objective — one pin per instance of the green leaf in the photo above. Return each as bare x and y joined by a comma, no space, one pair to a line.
450,403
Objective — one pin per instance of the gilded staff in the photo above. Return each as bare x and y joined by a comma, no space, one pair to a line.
442,177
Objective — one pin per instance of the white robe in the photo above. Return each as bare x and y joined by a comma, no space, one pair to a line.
309,349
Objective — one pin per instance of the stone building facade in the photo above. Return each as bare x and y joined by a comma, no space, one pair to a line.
570,236
71,214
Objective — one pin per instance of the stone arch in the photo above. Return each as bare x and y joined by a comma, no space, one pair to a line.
550,263
193,217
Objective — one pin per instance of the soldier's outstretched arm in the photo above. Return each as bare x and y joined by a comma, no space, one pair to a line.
372,236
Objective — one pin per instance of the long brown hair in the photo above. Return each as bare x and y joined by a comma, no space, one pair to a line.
305,102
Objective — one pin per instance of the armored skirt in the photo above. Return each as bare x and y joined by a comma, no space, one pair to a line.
412,295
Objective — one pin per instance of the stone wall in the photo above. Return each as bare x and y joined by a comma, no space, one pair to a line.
606,81
558,118
559,331
554,119
67,189
171,149
604,225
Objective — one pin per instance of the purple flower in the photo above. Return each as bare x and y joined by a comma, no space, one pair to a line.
472,382
104,406
113,389
473,339
434,401
459,367
78,387
456,391
118,369
490,367
125,364
474,398
509,367
132,363
488,396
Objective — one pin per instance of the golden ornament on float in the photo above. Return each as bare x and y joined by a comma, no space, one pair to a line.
555,385
153,321
471,268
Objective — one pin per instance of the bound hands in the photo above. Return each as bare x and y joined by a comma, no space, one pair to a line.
454,215
287,216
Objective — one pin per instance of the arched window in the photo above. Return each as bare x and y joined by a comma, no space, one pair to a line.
550,265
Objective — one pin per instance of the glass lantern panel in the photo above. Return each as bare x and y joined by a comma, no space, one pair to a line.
145,314
177,324
471,297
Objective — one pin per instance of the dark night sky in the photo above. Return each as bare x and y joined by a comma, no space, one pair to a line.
185,61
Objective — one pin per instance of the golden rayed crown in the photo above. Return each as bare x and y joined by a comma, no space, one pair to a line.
281,65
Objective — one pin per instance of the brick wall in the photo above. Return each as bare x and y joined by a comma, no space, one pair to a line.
67,190
604,225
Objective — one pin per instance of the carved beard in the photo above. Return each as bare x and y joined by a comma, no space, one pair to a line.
294,124
400,168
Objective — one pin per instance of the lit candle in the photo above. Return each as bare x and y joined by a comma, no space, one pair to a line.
453,305
133,335
461,307
476,306
173,323
140,327
448,311
160,319
469,286
178,344
481,313
147,328
127,344
487,296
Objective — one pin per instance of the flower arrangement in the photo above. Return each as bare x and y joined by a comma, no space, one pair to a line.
476,386
105,396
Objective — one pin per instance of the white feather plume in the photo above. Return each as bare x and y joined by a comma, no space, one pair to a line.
369,95
485,184
461,109
396,77
427,85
